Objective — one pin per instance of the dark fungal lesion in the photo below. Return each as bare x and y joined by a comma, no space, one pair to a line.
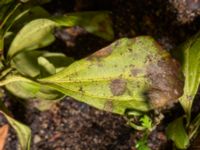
118,87
166,82
136,71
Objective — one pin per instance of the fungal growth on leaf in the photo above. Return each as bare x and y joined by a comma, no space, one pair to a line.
128,74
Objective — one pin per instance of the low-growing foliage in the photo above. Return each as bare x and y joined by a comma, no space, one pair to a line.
129,77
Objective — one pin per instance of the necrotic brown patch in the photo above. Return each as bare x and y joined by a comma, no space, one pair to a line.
135,71
118,87
166,82
104,52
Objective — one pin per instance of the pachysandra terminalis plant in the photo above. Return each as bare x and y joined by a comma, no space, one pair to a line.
128,77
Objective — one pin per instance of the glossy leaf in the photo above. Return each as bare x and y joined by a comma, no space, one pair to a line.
97,23
128,74
23,132
36,34
189,55
176,132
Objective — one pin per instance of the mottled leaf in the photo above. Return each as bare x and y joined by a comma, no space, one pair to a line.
36,34
128,74
189,55
23,132
176,132
97,23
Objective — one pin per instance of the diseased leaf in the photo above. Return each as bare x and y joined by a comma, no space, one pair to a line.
34,35
23,132
3,136
176,132
189,56
97,23
128,74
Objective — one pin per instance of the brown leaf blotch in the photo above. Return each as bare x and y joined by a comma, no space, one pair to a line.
118,87
135,71
166,82
104,52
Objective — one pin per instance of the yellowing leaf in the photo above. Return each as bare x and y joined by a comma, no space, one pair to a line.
128,74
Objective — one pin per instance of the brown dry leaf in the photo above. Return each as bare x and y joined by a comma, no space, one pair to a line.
3,135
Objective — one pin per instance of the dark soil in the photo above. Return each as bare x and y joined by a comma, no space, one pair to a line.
71,125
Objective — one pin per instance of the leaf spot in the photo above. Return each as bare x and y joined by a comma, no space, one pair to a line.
135,71
104,52
118,87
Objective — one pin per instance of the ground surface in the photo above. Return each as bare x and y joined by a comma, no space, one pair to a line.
71,125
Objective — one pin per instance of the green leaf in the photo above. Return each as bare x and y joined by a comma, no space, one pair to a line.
194,127
189,55
29,13
23,132
28,89
47,68
176,132
146,122
142,145
34,35
97,23
128,74
27,62
4,2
